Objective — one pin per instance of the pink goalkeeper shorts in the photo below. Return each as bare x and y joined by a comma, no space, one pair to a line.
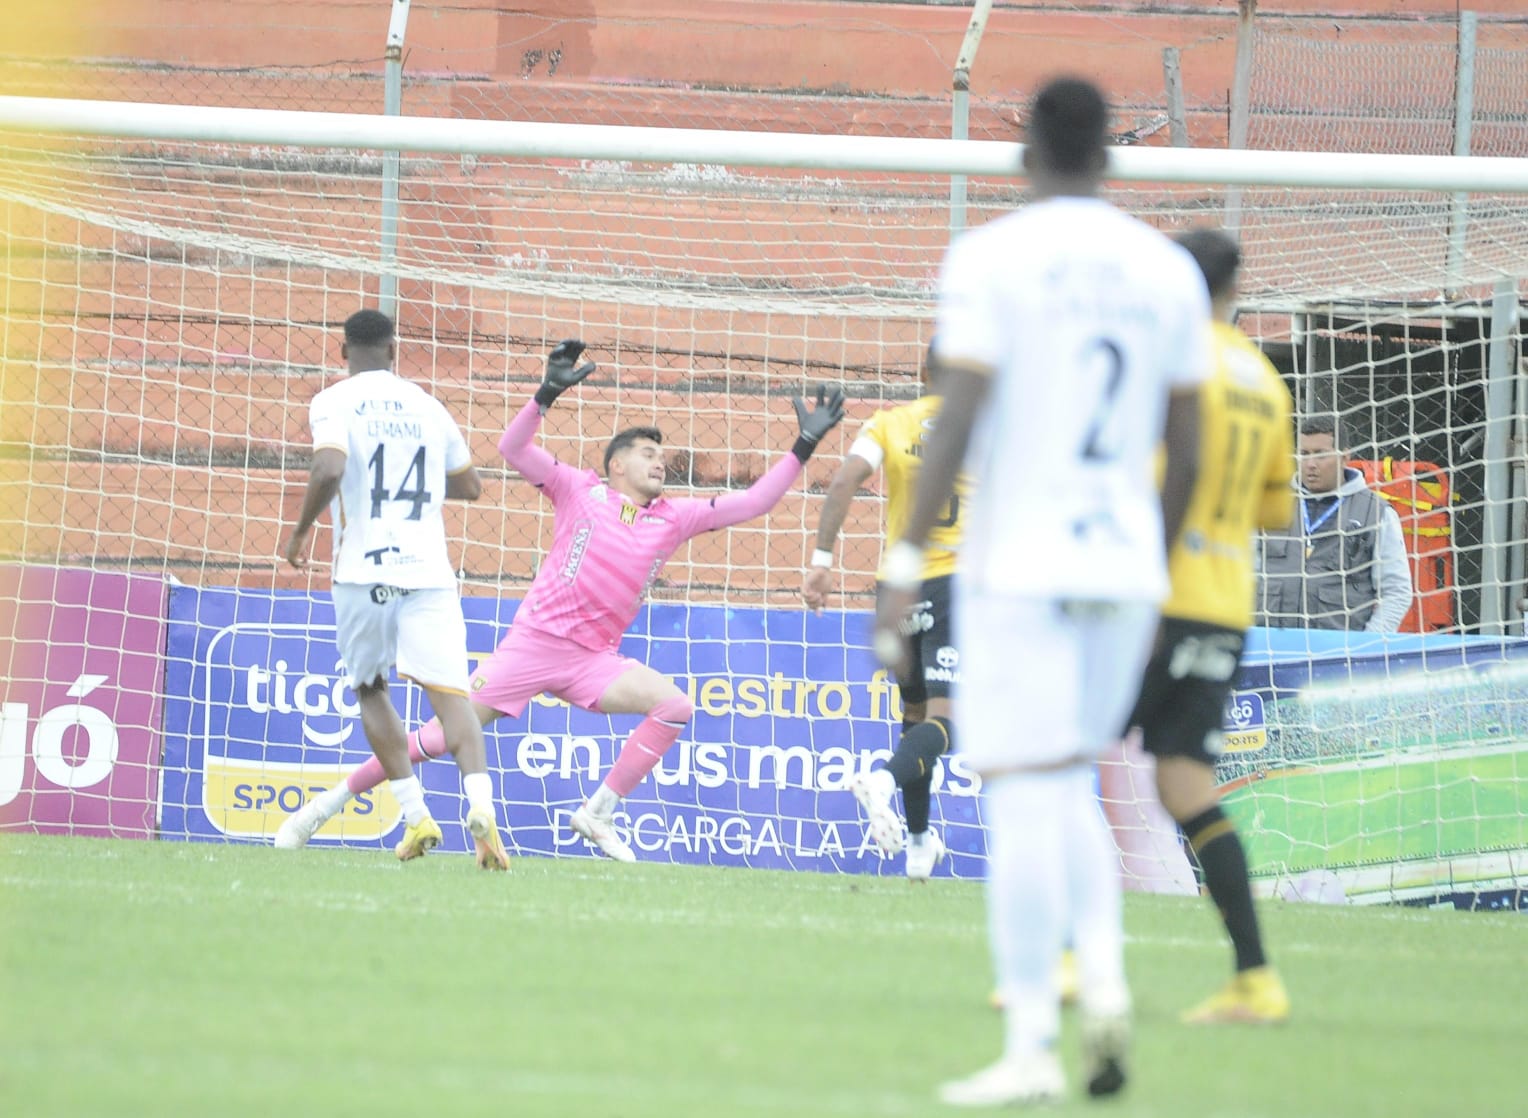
528,662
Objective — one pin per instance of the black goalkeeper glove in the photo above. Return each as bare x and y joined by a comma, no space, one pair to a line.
562,372
817,422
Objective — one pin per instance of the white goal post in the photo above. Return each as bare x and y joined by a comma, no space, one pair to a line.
174,276
529,139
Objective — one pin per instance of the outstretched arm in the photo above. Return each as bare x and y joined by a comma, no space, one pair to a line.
818,583
562,373
764,494
534,464
756,500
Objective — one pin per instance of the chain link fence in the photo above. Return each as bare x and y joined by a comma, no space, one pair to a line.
711,293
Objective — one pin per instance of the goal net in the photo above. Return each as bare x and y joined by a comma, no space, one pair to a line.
172,306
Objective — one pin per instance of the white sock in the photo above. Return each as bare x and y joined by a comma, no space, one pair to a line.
410,797
332,802
917,839
479,789
1096,900
604,802
1026,905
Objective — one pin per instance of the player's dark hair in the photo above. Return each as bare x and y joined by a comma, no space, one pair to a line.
626,438
369,329
1069,125
1321,425
1218,257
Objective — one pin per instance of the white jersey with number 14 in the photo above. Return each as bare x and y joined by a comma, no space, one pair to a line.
400,444
1089,319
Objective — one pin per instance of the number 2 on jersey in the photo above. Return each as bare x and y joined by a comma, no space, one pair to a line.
417,496
1100,445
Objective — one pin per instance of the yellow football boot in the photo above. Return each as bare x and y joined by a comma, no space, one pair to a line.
418,840
1253,997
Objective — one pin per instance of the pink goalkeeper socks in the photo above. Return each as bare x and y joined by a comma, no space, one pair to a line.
426,742
646,746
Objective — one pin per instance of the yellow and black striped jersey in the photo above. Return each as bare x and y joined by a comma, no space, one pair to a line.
892,441
1246,461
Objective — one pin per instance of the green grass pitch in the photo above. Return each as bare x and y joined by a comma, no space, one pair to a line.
1428,808
168,979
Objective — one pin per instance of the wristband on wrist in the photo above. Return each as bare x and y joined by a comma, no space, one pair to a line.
822,558
902,569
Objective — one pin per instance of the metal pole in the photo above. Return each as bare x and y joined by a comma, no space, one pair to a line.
1464,117
1517,560
1498,481
960,111
1299,360
1172,74
392,105
1312,338
1241,94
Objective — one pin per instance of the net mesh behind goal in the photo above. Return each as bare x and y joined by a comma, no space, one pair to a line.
173,307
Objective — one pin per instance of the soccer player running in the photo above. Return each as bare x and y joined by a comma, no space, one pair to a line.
386,456
611,538
892,441
1247,455
1072,342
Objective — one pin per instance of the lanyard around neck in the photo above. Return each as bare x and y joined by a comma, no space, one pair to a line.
1320,520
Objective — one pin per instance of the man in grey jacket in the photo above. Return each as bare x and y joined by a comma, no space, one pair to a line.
1342,563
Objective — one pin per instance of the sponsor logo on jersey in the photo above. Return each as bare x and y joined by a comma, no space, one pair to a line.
576,550
947,657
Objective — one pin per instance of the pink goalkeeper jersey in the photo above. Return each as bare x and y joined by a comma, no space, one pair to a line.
606,551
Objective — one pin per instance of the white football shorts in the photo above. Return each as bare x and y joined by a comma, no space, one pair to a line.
1043,681
421,631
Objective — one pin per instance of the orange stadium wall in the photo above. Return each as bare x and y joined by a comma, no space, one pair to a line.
692,64
842,47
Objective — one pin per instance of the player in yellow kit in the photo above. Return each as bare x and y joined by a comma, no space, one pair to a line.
1246,460
892,441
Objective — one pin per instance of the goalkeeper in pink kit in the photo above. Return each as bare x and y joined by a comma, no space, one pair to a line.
611,538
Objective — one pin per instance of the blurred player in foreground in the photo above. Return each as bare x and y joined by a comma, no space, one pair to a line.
892,441
1246,455
1072,343
386,456
611,538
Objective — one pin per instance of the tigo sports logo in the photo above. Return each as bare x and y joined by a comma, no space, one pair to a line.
253,800
1245,727
281,724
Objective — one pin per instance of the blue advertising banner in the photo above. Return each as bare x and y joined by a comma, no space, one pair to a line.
788,707
1367,767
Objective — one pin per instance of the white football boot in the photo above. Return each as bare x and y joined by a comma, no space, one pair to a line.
601,832
874,790
1035,1079
923,857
